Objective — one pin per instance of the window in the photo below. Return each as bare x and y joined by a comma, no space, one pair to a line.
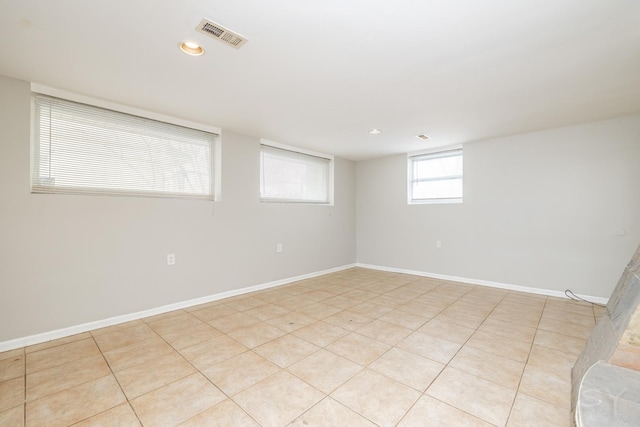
295,176
80,148
436,177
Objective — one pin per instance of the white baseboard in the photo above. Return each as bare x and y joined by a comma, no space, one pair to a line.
73,330
538,291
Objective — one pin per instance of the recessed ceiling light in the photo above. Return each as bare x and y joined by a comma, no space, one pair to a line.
191,48
422,136
375,131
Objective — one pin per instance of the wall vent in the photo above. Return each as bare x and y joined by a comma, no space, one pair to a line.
221,33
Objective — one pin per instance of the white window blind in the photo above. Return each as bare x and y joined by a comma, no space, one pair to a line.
289,176
80,148
436,177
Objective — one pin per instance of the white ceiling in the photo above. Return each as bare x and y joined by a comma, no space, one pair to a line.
320,73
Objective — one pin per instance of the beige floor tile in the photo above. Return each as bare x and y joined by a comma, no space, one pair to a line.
233,322
255,335
526,299
177,402
324,370
528,306
294,302
137,353
522,318
500,346
360,294
348,320
291,321
376,397
466,321
75,404
447,331
358,348
578,319
286,350
486,400
330,413
408,368
404,319
476,311
341,302
120,416
242,303
420,309
224,414
55,343
124,337
554,362
319,310
153,374
598,311
497,369
12,353
266,311
436,300
388,302
214,312
278,400
561,327
191,336
370,310
11,393
567,306
384,332
430,347
404,293
430,412
508,330
531,412
560,342
62,377
181,322
13,417
208,353
204,305
321,333
59,355
12,367
538,383
240,372
118,327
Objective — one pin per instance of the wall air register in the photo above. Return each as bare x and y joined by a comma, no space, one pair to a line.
221,33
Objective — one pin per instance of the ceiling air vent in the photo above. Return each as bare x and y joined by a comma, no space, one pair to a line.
219,32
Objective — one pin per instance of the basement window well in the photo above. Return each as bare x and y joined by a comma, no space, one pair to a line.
85,149
435,177
292,175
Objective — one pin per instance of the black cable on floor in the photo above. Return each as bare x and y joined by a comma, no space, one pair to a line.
569,294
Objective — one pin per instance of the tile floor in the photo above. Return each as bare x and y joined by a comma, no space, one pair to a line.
353,348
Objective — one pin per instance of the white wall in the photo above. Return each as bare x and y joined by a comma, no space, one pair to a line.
66,260
540,210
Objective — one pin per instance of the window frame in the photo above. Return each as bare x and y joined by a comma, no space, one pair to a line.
443,152
214,148
305,152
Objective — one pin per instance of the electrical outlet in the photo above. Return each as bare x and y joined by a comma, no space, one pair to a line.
279,247
438,244
171,259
